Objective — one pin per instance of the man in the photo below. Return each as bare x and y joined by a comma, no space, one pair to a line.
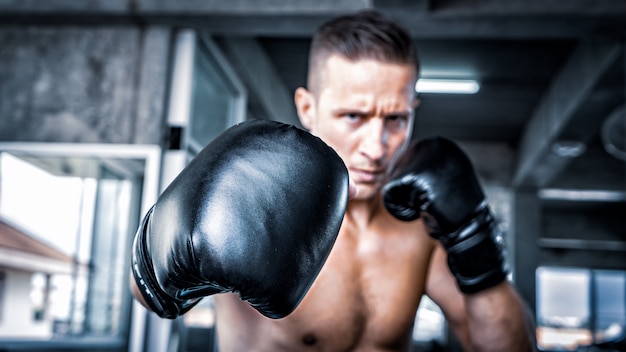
360,100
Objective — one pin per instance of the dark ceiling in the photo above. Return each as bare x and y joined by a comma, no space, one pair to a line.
551,71
513,76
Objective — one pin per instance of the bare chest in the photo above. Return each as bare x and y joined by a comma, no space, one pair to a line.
367,293
365,298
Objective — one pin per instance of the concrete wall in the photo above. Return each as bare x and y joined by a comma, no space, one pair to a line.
82,84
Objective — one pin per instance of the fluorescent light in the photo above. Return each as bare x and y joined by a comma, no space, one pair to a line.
581,195
569,149
450,86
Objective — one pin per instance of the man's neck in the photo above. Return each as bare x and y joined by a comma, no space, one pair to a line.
364,211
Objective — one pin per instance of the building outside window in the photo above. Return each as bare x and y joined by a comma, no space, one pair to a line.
67,219
579,307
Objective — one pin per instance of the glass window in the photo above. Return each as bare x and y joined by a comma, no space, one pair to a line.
563,310
218,99
609,305
430,325
579,307
66,225
212,100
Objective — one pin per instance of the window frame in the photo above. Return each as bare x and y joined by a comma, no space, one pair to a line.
591,302
151,155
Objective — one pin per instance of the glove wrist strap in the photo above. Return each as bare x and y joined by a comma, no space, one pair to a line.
160,302
476,253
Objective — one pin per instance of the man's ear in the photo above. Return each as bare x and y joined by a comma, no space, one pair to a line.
416,102
305,107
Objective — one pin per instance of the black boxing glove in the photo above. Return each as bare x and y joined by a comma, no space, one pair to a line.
434,179
256,212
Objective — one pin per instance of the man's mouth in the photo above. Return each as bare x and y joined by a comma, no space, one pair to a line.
366,175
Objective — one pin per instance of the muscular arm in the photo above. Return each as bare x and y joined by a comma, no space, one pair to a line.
134,289
498,320
435,180
495,319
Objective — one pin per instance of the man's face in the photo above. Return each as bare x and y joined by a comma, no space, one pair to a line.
364,110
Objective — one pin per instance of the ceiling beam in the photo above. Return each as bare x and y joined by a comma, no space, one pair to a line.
404,5
503,27
269,97
513,19
537,165
181,7
421,26
437,8
528,7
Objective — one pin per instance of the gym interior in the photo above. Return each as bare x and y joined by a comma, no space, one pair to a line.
103,103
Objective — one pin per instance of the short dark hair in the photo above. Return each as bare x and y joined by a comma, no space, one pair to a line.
363,35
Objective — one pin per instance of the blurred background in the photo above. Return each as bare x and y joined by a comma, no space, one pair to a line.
102,103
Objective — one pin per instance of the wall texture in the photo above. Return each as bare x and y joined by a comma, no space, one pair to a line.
83,85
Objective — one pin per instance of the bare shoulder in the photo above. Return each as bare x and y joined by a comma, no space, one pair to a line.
410,233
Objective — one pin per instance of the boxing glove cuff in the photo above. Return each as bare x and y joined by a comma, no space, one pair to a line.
164,305
476,253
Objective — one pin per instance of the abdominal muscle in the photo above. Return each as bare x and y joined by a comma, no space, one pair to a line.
365,298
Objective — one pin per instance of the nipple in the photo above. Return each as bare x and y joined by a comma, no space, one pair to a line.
309,339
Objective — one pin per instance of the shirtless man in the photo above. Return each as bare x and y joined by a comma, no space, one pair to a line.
360,100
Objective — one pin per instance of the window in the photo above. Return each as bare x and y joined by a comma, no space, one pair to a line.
579,307
218,99
68,215
206,95
39,290
2,299
430,324
609,305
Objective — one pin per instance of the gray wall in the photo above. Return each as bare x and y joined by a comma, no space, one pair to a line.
82,84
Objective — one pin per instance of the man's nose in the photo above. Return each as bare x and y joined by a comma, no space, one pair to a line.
375,139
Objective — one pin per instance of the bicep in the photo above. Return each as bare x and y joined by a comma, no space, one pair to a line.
441,287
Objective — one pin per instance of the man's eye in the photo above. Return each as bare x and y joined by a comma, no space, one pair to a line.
352,116
397,123
397,117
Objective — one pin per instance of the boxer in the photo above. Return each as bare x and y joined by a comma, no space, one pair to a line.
418,225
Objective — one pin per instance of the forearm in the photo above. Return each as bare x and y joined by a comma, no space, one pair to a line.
498,320
134,289
436,180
